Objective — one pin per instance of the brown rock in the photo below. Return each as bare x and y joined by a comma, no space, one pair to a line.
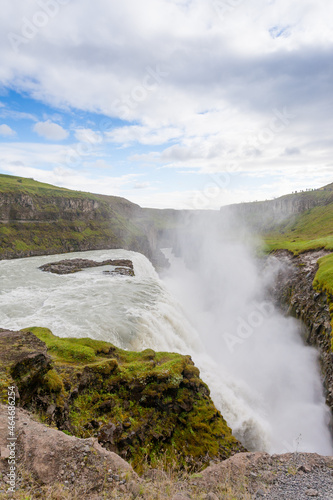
50,454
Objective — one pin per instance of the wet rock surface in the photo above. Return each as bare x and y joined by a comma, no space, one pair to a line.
123,267
294,293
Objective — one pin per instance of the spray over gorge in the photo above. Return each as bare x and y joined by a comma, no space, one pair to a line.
224,290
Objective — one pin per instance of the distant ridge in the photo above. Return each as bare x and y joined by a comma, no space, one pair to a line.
268,215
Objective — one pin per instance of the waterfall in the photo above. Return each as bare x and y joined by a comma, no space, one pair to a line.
262,377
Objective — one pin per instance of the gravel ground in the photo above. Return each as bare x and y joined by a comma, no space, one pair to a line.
291,476
303,486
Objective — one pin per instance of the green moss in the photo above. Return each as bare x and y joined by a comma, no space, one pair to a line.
6,230
155,402
5,381
324,277
20,245
53,382
323,281
68,349
104,368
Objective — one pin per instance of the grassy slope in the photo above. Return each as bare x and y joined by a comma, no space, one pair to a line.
14,184
116,223
310,230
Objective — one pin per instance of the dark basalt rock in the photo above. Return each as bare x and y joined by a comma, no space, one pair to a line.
121,271
24,358
294,293
69,266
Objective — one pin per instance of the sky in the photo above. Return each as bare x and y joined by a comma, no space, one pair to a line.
188,104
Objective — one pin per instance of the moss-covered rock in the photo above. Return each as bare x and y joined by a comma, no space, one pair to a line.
23,359
138,404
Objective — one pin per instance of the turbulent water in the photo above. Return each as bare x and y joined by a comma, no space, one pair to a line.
263,379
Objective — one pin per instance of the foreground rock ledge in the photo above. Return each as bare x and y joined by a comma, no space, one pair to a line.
54,465
52,456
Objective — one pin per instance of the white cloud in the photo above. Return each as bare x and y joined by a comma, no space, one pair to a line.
35,154
16,115
88,135
6,130
50,130
142,185
143,135
107,66
98,164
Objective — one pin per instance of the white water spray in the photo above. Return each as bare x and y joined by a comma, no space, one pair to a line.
275,376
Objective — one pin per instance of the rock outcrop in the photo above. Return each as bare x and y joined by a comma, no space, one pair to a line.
275,477
139,405
68,266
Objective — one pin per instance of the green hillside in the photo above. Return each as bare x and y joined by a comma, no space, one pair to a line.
298,222
14,184
310,230
38,218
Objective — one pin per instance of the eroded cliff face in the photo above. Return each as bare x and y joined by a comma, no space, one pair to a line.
24,207
268,215
287,205
34,224
294,292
